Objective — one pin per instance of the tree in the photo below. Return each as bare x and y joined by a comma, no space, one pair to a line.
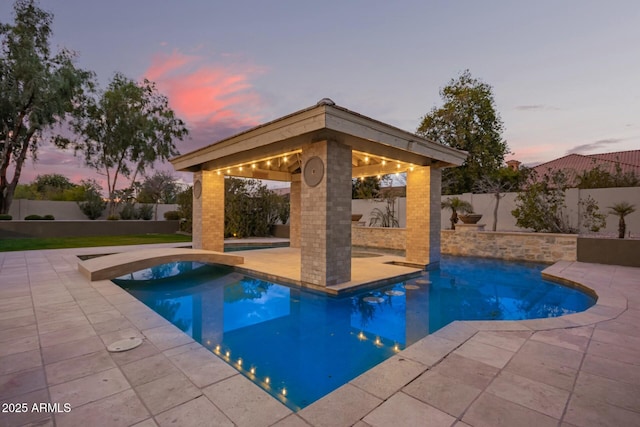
127,129
592,219
541,206
250,208
365,188
37,90
468,121
161,187
52,186
504,180
185,208
597,177
456,205
622,209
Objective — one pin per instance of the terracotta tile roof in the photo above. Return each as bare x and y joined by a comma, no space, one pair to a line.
575,164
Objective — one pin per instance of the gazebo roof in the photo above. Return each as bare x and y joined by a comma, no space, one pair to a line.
272,150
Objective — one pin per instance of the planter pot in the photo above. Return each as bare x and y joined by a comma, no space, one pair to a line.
470,218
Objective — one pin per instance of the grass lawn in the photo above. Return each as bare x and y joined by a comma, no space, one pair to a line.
28,244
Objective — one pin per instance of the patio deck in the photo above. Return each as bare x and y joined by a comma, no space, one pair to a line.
577,370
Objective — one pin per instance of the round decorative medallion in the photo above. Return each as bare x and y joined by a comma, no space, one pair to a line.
313,171
197,189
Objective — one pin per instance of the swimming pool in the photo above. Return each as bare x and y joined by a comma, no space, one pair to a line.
299,345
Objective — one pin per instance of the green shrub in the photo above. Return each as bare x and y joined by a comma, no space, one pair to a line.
113,218
172,215
48,217
94,204
33,218
128,211
185,208
145,212
5,217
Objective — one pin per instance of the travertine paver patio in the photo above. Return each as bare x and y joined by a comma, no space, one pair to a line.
577,370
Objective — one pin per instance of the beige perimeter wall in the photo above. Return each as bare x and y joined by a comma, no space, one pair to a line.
484,204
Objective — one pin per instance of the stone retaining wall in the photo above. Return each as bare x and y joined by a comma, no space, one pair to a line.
379,237
540,247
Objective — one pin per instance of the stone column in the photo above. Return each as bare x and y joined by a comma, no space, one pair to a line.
325,238
294,212
423,216
208,211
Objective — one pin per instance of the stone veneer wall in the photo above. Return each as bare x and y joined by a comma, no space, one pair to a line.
379,237
542,247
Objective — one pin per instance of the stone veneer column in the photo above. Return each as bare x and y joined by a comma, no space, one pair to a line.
325,238
208,211
423,216
294,212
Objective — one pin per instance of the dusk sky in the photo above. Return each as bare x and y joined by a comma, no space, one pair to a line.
565,74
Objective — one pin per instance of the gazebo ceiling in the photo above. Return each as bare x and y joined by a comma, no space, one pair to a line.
273,150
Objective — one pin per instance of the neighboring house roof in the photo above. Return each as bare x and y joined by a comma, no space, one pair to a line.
575,164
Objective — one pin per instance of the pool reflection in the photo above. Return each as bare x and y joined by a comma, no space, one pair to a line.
300,345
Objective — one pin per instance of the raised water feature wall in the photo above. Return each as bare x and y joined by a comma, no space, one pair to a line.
541,247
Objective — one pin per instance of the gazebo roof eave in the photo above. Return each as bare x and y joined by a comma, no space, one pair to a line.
323,121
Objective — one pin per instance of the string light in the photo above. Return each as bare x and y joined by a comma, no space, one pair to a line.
253,370
228,353
267,380
218,349
240,362
284,391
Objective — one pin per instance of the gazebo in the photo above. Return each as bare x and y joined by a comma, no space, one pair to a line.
319,150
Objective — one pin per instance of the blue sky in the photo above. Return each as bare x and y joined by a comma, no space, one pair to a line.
565,74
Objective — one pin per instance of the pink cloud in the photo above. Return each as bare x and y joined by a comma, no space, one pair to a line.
533,153
207,95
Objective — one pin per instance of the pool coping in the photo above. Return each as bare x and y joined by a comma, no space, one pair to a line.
360,396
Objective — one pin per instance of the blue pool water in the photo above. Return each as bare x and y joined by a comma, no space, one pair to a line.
300,345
